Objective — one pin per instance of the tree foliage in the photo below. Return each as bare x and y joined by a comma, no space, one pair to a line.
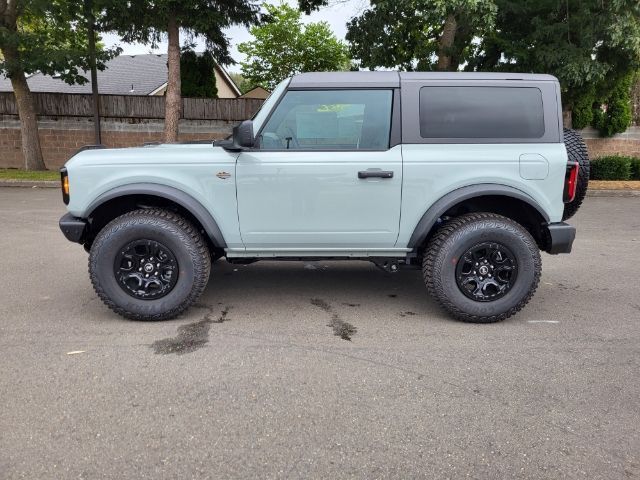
283,46
242,83
47,36
197,75
609,108
613,113
582,42
146,21
584,106
592,46
307,6
419,34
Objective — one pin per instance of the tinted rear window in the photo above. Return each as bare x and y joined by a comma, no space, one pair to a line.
481,112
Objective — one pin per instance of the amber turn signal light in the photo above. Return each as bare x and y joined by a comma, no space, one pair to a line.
64,179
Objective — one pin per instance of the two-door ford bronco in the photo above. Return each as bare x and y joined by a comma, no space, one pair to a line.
465,175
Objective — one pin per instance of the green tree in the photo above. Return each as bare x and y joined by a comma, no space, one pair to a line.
47,36
242,83
590,45
307,6
148,21
616,115
419,34
283,46
197,75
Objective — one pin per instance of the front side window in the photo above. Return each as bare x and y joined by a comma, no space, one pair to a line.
481,112
330,120
261,115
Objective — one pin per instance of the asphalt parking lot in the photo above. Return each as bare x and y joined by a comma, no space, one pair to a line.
255,383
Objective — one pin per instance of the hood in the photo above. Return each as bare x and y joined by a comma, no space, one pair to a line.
169,153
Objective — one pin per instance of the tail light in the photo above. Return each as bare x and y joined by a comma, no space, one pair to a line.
571,182
64,180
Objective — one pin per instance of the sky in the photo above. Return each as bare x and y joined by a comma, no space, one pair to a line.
336,15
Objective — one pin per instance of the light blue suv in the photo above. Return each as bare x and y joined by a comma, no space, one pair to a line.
465,175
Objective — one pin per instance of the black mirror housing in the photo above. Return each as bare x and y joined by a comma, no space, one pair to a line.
243,135
241,138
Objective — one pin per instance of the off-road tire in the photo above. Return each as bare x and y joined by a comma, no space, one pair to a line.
577,152
173,231
458,235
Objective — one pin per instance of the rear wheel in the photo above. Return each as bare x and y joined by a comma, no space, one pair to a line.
577,152
482,267
149,265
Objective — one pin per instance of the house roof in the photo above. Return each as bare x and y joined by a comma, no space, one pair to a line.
123,75
229,80
256,92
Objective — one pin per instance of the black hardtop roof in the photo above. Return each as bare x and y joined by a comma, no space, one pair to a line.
345,79
393,79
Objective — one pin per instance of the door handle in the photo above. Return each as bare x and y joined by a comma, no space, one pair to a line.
375,174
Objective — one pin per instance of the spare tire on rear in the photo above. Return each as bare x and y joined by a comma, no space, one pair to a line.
577,152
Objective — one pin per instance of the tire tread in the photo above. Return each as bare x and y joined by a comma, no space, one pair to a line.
200,256
577,152
432,279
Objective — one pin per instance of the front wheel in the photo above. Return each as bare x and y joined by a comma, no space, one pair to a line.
482,267
149,265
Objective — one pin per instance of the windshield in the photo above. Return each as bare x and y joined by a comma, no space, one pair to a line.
267,106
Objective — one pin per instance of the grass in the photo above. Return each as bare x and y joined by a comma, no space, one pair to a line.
15,174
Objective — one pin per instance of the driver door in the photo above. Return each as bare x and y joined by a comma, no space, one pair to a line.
323,174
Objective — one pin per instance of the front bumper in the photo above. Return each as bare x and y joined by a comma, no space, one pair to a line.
561,237
74,228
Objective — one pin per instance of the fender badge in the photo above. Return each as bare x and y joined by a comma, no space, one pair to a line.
223,175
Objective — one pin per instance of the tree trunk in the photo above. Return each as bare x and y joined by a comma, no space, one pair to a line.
24,100
91,34
28,122
173,100
567,117
446,43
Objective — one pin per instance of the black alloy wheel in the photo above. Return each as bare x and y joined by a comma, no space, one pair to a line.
482,267
146,269
149,264
486,271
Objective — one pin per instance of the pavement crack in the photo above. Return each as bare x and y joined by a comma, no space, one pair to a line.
192,336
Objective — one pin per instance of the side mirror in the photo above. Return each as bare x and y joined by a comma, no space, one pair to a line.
243,136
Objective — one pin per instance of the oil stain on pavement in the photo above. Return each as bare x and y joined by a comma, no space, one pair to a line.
341,329
190,337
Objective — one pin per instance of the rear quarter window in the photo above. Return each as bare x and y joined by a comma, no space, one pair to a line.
477,112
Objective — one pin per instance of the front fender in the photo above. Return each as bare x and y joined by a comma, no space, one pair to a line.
172,194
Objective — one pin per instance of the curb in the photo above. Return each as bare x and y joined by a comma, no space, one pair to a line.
613,193
30,183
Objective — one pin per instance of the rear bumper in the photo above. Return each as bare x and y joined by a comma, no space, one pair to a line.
73,228
561,237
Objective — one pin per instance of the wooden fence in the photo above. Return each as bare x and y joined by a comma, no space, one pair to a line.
134,106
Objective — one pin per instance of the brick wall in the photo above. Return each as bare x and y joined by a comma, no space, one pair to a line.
61,137
627,143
